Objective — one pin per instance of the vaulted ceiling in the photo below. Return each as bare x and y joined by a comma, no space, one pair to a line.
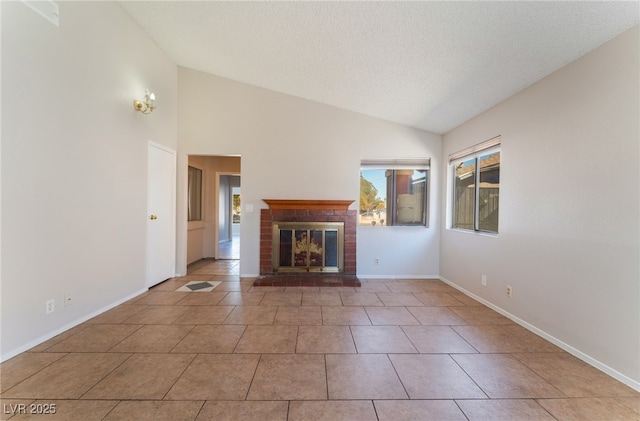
430,65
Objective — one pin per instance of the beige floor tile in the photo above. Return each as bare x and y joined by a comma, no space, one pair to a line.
298,315
117,315
502,376
66,410
268,340
155,411
481,315
435,285
153,338
332,411
503,410
395,316
434,377
437,340
418,410
632,402
236,298
325,340
157,315
399,299
302,289
244,411
231,286
465,299
70,377
252,315
289,377
202,298
381,340
282,299
573,377
321,299
95,338
212,272
204,315
504,339
216,377
186,279
360,299
231,354
162,298
265,289
372,286
436,316
173,284
18,368
344,316
438,299
403,286
58,338
588,409
362,376
143,376
210,340
333,290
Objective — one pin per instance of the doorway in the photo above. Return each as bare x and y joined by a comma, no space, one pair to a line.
214,235
229,201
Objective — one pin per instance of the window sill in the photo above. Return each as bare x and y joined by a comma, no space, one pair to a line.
392,226
480,233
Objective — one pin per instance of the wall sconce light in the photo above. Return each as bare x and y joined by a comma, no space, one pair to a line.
146,105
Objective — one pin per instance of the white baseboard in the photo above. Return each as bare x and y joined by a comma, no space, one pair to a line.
571,350
401,277
10,354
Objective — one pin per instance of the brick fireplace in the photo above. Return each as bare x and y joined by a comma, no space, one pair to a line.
288,212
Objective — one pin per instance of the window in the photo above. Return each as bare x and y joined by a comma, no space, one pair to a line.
476,187
393,192
194,189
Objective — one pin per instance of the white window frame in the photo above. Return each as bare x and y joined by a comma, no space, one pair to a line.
423,164
475,152
196,189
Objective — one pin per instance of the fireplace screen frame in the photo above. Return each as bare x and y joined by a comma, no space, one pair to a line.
308,227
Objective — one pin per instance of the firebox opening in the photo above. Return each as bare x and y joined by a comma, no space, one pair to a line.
308,247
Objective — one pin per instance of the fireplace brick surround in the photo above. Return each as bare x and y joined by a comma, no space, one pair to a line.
307,211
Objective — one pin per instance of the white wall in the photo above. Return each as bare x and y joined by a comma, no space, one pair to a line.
297,149
569,208
74,163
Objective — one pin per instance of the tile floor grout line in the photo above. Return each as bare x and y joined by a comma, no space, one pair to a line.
184,370
131,354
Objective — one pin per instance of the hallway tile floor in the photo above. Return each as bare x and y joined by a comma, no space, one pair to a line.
389,350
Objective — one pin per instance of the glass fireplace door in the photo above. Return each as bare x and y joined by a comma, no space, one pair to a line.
308,247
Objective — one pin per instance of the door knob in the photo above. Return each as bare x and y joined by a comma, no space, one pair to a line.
153,217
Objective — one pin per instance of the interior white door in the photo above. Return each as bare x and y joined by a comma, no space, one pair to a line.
161,219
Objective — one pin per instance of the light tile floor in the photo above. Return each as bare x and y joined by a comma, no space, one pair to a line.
390,350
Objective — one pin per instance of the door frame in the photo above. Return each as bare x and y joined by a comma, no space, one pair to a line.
216,205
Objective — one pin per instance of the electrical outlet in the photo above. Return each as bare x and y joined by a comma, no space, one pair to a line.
484,280
67,299
509,291
50,306
376,261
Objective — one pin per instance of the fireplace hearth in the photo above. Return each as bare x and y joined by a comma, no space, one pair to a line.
308,236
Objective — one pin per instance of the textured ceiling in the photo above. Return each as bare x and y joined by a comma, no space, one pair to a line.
430,65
